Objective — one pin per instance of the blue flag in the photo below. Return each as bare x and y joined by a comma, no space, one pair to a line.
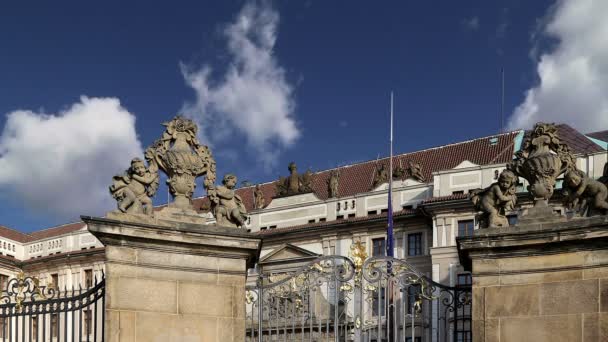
389,232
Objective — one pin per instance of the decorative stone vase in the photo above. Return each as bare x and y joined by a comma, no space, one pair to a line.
541,171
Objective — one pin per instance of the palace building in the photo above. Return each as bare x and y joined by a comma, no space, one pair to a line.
327,211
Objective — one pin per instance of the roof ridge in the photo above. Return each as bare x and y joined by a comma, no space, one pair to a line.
15,230
54,227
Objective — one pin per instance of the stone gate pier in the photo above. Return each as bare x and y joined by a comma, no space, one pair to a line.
171,275
540,282
174,282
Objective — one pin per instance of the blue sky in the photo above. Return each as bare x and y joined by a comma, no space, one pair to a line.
271,82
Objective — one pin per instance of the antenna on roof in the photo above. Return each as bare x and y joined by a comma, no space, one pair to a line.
502,100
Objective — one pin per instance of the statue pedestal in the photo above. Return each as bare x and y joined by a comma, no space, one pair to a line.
180,282
539,281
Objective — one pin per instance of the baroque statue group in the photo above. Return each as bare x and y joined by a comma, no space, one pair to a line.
541,160
180,155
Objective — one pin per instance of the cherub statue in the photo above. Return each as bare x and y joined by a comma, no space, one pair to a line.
332,184
584,193
133,189
226,205
495,200
258,196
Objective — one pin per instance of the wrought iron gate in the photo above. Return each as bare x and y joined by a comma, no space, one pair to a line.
30,312
335,298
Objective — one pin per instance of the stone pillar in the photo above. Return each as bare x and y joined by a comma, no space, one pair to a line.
539,282
174,282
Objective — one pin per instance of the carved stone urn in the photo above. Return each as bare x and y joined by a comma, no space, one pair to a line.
541,160
180,155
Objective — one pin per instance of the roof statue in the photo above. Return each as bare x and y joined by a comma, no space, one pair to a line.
495,200
332,183
414,171
258,198
381,176
294,184
227,207
541,160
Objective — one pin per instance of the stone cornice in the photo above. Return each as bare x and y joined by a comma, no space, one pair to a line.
543,238
181,238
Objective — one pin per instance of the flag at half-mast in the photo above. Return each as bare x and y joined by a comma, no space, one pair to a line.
389,228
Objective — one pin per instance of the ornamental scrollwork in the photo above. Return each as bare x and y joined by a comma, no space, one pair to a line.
24,289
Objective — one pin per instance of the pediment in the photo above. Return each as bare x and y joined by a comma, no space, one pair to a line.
288,252
465,164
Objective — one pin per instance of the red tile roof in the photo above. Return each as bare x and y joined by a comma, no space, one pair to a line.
56,231
358,178
578,142
601,135
13,234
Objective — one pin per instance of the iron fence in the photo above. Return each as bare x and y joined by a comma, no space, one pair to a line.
31,312
335,298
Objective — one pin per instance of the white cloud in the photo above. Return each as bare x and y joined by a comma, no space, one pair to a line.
62,164
573,77
471,23
253,97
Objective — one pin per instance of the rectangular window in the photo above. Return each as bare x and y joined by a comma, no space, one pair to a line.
272,227
54,281
372,212
54,325
322,219
88,278
311,221
340,217
464,279
414,244
465,228
3,282
408,207
459,192
409,339
34,328
378,303
3,327
87,322
378,247
351,215
383,211
512,219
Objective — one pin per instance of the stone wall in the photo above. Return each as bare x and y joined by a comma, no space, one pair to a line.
544,282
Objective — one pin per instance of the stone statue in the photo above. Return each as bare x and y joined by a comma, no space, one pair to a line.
381,176
415,171
294,183
584,194
604,178
133,189
180,155
306,181
332,184
226,205
495,200
542,158
258,197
